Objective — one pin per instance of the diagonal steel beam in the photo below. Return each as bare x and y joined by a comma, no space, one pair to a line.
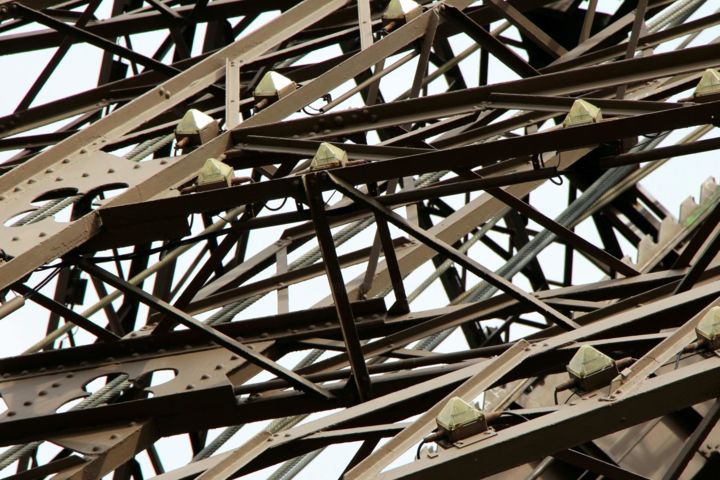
145,107
411,435
91,38
576,240
537,35
702,262
570,426
632,377
693,442
358,63
457,256
422,64
401,301
337,286
68,314
489,43
211,333
573,457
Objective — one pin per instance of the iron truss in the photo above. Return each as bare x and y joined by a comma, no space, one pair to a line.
418,252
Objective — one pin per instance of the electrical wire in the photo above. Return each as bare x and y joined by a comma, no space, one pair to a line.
417,453
44,282
515,414
276,208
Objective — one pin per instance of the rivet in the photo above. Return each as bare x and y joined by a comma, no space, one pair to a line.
49,170
41,234
27,403
85,175
233,357
10,414
96,449
69,375
135,167
15,239
42,393
218,367
31,181
55,385
189,387
66,160
59,179
113,436
17,189
82,150
204,377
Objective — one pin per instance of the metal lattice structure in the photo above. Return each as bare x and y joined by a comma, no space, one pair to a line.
371,208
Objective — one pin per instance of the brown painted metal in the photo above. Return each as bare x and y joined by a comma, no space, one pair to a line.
460,164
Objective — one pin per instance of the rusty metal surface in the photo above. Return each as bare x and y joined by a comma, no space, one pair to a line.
292,319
